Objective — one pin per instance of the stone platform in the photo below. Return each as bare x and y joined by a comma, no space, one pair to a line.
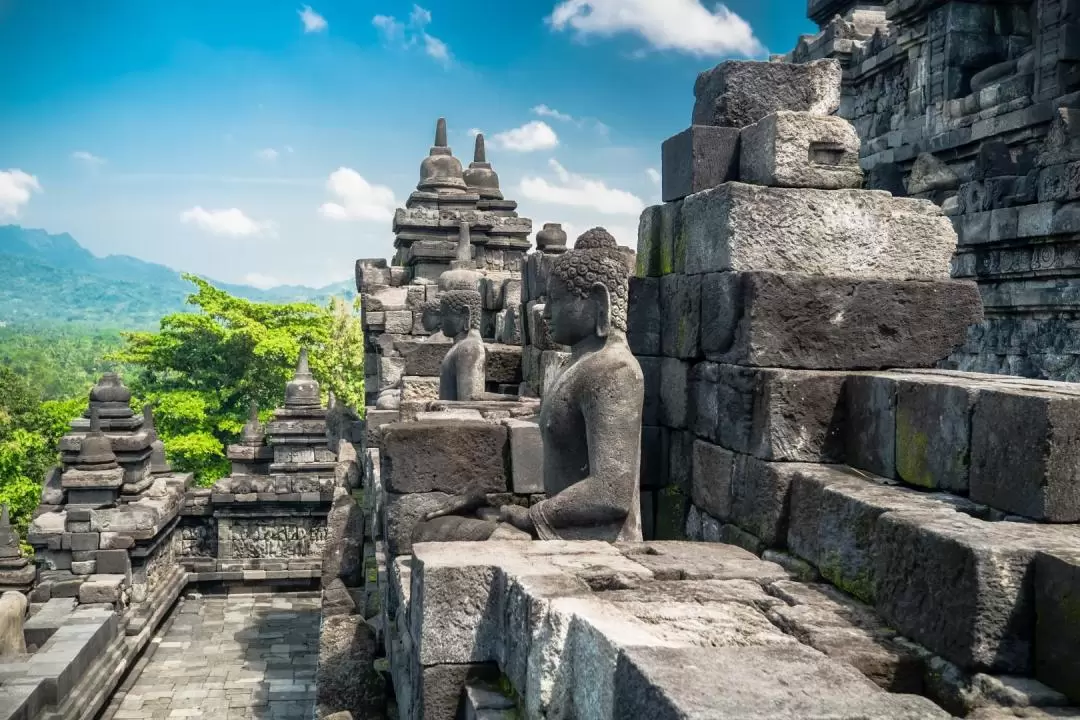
659,630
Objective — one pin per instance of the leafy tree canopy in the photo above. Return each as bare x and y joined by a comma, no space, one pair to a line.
202,369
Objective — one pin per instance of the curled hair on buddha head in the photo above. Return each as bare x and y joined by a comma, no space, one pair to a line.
598,237
458,301
581,268
431,306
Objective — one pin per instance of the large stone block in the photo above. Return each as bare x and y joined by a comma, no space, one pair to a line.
1057,621
424,359
779,682
798,416
418,389
812,322
680,307
801,150
1025,453
660,249
451,456
933,432
526,457
760,493
853,233
503,363
963,587
737,93
644,321
401,513
870,429
673,392
654,456
833,521
698,158
711,480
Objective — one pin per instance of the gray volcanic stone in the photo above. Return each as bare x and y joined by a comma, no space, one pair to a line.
711,481
933,433
798,416
853,233
833,521
503,363
644,321
452,456
959,586
1057,628
424,358
812,322
801,150
673,392
698,158
737,93
346,679
1025,453
12,612
785,682
401,513
526,457
660,249
760,494
680,307
870,430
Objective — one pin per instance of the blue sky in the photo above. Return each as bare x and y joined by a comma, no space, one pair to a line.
267,142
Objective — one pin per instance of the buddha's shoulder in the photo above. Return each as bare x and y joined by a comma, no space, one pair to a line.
617,363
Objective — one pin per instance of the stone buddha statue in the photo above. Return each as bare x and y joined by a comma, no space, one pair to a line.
431,320
590,417
462,373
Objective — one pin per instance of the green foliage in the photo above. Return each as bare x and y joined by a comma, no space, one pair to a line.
203,368
60,362
29,432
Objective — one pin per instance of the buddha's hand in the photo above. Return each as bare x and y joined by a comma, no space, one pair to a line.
458,505
517,516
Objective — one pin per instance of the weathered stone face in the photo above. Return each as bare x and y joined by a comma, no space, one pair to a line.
801,150
737,93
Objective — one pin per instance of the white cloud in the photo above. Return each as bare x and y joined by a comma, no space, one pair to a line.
357,198
437,49
654,175
473,132
681,25
545,111
263,282
88,158
232,222
289,149
532,136
267,154
15,190
413,34
313,21
579,191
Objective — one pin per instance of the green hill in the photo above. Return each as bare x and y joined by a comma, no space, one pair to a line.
51,279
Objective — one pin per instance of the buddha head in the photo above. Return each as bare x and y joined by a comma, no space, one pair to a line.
588,289
430,313
459,312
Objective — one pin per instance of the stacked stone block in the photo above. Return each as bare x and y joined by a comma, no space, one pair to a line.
779,267
930,495
974,106
268,519
102,531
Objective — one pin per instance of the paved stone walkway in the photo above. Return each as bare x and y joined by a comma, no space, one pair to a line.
238,656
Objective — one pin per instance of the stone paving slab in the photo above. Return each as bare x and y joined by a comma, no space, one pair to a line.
238,656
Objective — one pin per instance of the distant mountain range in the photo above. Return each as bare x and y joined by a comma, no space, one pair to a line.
51,279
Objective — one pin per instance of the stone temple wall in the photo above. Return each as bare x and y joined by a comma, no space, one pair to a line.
786,411
976,106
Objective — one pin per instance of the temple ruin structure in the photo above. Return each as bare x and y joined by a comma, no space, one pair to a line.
976,106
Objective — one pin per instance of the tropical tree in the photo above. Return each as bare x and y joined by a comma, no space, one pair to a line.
203,368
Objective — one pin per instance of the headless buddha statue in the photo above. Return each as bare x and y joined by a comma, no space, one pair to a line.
590,418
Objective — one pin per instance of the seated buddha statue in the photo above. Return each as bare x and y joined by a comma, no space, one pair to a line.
590,417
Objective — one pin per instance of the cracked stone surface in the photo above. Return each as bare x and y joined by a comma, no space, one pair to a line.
246,657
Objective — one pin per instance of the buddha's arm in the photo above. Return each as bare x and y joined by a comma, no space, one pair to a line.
612,412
